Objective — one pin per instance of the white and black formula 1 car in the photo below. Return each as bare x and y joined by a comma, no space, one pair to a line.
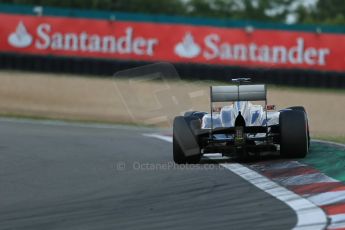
240,129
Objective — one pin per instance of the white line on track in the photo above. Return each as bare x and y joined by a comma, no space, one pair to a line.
329,142
161,137
309,216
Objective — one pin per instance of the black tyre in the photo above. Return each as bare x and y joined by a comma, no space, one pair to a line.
189,113
293,134
301,108
298,108
185,145
194,114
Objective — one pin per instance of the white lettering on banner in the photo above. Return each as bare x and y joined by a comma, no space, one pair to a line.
213,52
297,54
126,44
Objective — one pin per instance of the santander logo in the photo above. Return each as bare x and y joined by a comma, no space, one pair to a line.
217,48
187,48
20,38
46,37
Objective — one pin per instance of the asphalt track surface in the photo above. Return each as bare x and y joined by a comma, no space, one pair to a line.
78,177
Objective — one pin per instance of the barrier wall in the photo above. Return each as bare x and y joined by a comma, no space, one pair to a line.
204,45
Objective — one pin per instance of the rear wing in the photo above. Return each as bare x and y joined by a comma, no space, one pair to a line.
238,93
247,92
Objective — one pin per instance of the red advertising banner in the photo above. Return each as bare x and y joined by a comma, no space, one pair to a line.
63,36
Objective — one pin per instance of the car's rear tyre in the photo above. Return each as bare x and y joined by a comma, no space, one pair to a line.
301,108
180,158
298,108
189,113
293,134
194,114
185,145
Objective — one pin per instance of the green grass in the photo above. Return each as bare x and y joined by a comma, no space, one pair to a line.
328,159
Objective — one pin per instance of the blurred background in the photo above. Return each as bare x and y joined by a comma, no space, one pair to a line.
58,58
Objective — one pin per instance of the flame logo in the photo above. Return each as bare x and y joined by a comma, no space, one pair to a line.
187,48
20,38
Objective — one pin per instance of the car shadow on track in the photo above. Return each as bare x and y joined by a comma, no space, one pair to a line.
218,159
